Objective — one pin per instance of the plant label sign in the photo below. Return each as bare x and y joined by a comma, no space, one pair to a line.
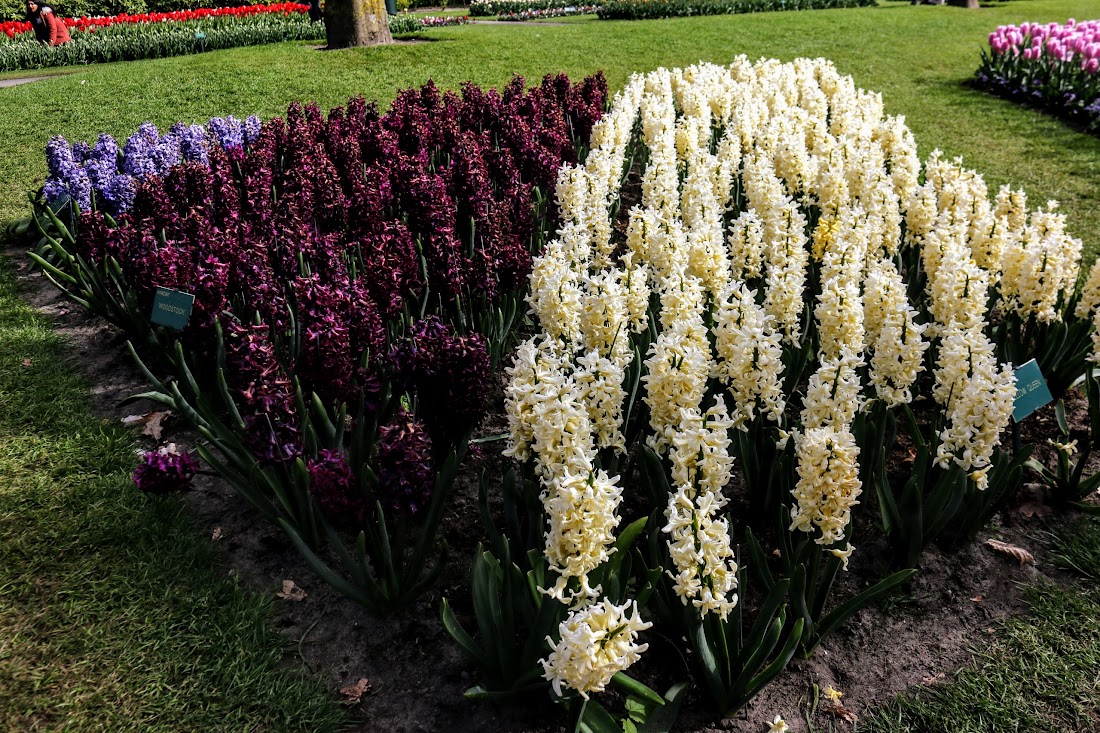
1031,391
172,308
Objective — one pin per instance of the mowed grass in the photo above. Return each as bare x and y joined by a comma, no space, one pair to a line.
114,615
919,57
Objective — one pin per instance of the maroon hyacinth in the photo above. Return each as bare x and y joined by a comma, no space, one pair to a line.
403,464
161,472
336,490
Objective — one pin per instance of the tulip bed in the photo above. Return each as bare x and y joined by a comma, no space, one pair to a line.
525,15
650,9
749,295
1053,66
159,35
487,8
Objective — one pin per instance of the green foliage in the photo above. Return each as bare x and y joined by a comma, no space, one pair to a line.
650,9
487,8
131,41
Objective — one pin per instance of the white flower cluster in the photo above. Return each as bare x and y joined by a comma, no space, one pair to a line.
772,208
597,641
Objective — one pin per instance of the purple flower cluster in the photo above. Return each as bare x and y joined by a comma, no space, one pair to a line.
308,241
403,464
78,172
336,490
161,472
448,373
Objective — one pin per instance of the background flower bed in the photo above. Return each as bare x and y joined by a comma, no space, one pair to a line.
1054,67
130,38
487,8
649,9
10,10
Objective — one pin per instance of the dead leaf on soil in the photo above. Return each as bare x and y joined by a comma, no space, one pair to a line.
1033,509
27,363
1019,553
152,422
291,592
978,599
777,553
216,534
932,678
354,693
838,710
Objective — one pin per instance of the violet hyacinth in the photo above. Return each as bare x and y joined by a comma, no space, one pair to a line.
403,464
228,131
334,486
67,176
161,472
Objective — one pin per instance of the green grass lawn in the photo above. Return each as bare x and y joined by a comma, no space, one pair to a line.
113,614
109,617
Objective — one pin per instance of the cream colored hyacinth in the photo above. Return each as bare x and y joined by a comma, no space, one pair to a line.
828,482
596,642
777,205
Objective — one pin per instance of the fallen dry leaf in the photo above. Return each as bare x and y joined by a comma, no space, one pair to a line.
152,422
27,363
1025,557
841,712
354,693
1033,509
777,553
978,599
216,534
933,678
291,592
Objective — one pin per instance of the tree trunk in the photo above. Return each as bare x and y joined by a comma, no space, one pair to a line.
356,23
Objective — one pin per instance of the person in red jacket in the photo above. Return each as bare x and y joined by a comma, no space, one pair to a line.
48,28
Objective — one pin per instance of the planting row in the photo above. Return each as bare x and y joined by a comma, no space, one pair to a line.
786,345
649,9
123,38
487,8
1055,67
524,15
13,28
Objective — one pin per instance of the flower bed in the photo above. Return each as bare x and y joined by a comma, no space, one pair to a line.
649,9
487,8
764,333
729,361
524,15
355,279
157,35
13,28
1055,67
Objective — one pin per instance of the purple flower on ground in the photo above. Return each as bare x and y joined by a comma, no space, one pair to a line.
332,483
161,472
403,463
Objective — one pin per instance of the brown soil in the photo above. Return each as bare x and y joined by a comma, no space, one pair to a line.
417,675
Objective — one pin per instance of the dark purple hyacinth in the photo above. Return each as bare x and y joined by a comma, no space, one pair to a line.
450,375
161,472
336,490
403,464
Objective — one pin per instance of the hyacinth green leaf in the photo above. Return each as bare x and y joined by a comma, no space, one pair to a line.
841,614
1093,509
661,719
758,562
326,573
594,718
759,652
464,640
780,663
707,661
52,270
62,230
631,686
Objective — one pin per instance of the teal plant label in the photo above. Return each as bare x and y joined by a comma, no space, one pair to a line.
172,308
1031,391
